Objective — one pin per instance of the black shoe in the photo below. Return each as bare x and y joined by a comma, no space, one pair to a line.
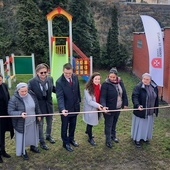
34,149
147,142
74,143
50,139
92,142
68,147
4,154
1,160
44,146
25,157
109,144
137,143
115,140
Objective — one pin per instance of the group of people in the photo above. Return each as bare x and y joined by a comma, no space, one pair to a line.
32,103
111,94
29,100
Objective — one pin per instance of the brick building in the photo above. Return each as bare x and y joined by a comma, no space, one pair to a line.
141,60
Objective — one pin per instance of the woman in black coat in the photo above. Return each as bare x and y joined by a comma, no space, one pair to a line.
113,95
5,123
145,95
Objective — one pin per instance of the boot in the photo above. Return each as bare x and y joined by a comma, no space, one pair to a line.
4,154
1,160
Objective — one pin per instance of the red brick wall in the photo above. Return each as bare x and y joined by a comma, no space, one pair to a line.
140,55
166,88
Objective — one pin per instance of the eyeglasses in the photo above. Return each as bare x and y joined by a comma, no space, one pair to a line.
43,72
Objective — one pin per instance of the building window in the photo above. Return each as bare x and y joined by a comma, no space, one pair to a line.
139,44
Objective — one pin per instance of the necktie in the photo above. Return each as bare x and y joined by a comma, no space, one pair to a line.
70,81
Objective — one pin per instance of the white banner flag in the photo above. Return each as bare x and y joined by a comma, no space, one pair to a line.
154,40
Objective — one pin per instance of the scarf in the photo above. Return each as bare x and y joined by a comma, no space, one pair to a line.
119,91
117,86
97,92
151,95
29,108
44,85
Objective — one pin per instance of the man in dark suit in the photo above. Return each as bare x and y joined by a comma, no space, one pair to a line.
68,98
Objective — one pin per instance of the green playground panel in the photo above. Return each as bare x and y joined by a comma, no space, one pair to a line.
23,65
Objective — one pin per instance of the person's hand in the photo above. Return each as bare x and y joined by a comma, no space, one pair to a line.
140,107
65,112
125,107
105,109
100,107
24,115
39,119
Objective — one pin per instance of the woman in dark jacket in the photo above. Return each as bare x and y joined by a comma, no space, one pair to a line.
113,95
145,95
5,123
24,106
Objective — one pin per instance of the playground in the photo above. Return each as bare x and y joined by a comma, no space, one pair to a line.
61,54
16,65
58,56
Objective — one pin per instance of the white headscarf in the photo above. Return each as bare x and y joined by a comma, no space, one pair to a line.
20,85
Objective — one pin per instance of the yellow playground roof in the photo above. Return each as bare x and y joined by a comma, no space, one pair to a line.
58,11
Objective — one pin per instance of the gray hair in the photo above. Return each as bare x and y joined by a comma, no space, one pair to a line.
146,74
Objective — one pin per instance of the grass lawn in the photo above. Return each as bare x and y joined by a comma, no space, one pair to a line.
123,156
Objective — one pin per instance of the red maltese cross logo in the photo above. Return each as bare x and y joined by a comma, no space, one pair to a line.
157,62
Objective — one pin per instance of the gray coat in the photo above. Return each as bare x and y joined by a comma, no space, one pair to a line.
90,104
15,108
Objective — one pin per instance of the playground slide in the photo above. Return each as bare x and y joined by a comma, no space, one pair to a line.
78,51
58,60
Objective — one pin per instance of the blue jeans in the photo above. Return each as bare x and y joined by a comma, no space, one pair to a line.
49,120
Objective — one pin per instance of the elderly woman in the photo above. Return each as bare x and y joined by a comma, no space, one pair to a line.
145,95
113,95
24,106
5,123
